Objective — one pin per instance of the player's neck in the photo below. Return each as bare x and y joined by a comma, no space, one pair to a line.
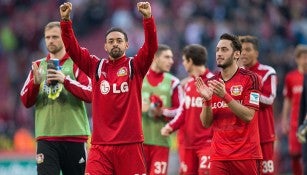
59,55
198,70
228,72
156,69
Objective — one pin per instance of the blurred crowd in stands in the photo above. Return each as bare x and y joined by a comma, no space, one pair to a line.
279,24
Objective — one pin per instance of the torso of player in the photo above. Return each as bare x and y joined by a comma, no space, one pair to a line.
266,115
195,134
294,86
233,138
117,97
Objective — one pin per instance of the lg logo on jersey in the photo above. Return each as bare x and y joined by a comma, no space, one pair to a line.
193,102
105,87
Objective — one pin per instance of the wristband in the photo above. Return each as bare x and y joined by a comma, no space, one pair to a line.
65,19
227,98
206,102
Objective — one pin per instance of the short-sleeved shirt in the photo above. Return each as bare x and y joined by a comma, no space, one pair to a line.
233,138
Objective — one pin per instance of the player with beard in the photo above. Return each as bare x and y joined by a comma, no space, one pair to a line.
61,123
230,105
117,137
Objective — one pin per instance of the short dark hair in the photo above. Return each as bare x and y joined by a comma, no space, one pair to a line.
197,53
235,42
161,48
250,39
117,29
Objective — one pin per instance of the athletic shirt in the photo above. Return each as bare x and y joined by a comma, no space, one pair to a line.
116,103
293,88
152,125
268,94
194,135
57,111
234,139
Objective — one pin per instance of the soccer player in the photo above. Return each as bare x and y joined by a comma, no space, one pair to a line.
196,138
230,103
162,95
302,129
117,137
249,59
61,124
292,91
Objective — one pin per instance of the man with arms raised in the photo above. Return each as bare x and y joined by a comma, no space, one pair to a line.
117,138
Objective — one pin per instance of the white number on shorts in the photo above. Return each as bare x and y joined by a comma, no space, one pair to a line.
268,166
160,167
205,162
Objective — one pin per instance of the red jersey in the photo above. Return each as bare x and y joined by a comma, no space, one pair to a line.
293,88
267,96
116,103
194,134
234,139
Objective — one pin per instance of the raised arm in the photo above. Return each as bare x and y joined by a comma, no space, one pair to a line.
145,55
80,56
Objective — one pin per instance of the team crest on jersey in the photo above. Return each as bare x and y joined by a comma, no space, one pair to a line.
122,72
254,98
39,158
236,90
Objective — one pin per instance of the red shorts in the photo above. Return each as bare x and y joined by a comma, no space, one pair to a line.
235,167
268,159
197,161
116,160
295,147
156,159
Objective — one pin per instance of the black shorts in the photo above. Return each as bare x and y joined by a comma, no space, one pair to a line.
55,156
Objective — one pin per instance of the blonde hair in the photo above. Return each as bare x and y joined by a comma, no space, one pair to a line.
300,49
50,25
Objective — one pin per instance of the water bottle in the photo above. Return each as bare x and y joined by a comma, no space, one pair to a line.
53,63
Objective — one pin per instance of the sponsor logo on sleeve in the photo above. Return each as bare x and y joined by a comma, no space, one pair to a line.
254,98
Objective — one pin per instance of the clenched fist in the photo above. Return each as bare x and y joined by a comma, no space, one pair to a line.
144,8
65,10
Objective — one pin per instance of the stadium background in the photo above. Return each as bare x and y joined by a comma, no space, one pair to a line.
279,24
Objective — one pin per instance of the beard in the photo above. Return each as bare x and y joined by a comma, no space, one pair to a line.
54,49
228,62
116,52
